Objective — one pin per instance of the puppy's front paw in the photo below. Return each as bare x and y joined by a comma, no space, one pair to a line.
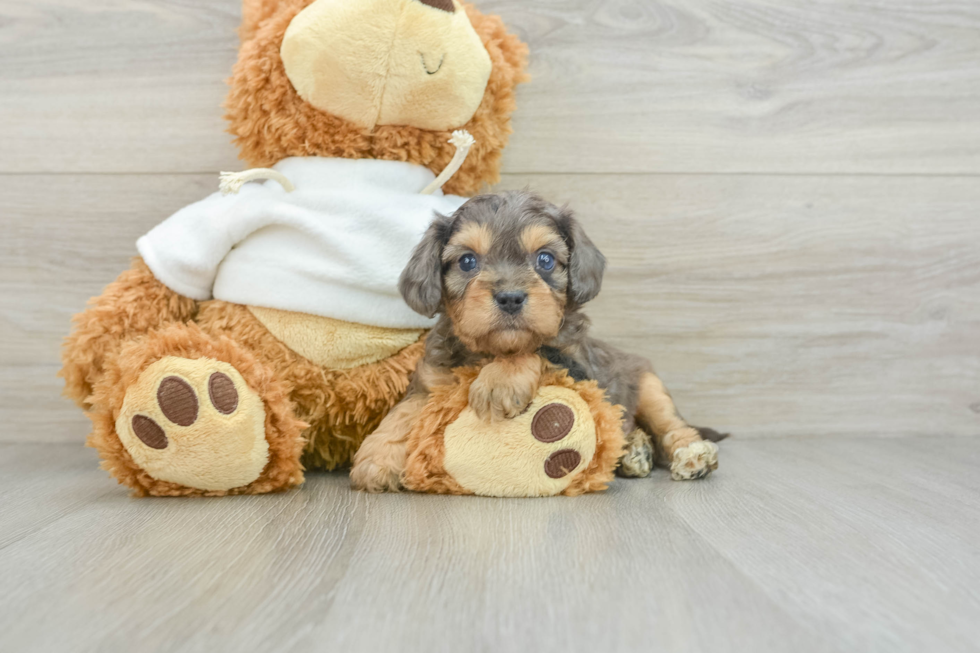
505,388
694,461
481,399
494,401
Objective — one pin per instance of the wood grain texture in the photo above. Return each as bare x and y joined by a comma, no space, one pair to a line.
619,85
772,306
804,545
116,86
788,86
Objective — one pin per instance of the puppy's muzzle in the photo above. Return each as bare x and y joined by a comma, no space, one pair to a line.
511,301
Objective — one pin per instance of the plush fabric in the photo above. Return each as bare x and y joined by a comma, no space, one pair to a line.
505,460
282,429
450,452
340,406
208,450
410,64
334,344
333,247
271,121
130,306
314,417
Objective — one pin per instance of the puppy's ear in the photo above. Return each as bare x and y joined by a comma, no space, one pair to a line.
421,280
586,263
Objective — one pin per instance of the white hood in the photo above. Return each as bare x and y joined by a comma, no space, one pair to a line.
333,247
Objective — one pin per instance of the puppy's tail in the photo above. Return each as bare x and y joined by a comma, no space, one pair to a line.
710,434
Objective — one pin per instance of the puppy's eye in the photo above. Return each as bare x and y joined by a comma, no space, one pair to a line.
467,262
546,261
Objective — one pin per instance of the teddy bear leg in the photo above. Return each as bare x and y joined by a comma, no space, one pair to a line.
679,445
182,413
129,307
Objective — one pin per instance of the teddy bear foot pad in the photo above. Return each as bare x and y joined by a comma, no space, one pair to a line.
567,441
537,453
195,423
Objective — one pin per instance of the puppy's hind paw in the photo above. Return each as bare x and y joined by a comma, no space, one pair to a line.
694,461
637,459
368,476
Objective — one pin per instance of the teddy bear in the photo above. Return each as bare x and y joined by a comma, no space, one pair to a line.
259,332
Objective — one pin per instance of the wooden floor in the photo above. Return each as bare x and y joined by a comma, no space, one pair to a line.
817,544
788,192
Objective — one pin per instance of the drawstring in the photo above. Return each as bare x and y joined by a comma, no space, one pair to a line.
463,142
232,182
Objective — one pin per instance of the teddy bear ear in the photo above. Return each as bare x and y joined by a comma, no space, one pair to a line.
254,12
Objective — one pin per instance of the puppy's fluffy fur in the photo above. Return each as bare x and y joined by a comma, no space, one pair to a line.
508,275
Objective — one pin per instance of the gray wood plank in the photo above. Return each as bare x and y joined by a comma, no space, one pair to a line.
41,483
750,86
882,536
799,544
618,572
771,305
653,86
116,86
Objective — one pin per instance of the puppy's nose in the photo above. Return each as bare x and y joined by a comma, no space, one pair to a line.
511,301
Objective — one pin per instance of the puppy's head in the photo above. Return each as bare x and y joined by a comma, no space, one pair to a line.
504,268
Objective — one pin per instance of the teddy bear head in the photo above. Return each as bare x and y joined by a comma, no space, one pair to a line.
378,79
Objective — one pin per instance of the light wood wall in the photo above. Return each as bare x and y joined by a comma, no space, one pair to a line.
788,191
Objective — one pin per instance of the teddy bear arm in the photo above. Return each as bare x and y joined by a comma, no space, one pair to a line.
129,307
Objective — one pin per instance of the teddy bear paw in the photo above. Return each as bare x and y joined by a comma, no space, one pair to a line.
196,423
538,453
694,461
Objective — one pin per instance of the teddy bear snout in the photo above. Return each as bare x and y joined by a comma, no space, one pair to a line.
375,62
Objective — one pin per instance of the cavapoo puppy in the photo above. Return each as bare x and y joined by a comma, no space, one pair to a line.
508,275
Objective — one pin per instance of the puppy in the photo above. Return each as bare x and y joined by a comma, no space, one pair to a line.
508,275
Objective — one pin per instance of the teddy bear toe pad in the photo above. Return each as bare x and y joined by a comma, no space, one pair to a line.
195,423
562,463
538,453
552,423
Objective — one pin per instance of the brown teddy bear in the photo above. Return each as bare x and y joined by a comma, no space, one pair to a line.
247,340
260,330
